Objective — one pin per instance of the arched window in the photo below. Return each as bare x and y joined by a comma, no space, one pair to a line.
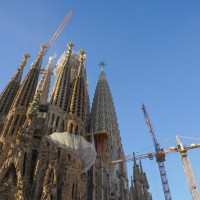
59,189
73,190
8,126
58,153
52,120
16,120
69,157
76,131
33,164
24,163
51,174
11,175
1,126
71,128
62,126
57,120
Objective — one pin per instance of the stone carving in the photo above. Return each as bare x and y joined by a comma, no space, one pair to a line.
42,50
23,63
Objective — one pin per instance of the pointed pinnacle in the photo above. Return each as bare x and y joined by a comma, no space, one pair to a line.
82,57
23,63
141,167
42,50
51,59
70,45
134,159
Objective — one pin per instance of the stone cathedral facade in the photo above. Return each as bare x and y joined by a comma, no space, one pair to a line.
33,167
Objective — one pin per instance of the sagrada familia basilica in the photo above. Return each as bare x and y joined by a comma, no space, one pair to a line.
53,146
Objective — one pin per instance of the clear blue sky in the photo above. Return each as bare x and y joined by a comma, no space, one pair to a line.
152,51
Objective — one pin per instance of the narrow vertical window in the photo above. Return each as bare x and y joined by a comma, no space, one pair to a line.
33,163
71,128
24,163
76,131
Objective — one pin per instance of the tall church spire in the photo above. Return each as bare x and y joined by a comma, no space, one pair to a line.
77,100
136,170
103,119
25,94
103,115
45,81
10,91
62,85
144,182
60,94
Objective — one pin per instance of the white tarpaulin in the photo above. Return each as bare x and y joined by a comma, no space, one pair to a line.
78,145
59,64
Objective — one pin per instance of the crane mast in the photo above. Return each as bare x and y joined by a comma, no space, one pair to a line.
67,18
160,159
188,170
52,40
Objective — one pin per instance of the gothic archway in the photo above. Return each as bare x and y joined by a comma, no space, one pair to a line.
8,184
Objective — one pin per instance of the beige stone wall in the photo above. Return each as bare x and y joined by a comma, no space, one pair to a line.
59,174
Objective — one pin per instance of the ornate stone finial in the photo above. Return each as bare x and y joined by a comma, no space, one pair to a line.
70,45
42,50
34,106
51,59
102,65
26,56
50,62
23,63
82,55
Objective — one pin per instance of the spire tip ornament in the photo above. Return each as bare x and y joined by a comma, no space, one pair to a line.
26,56
70,45
102,65
23,63
42,50
51,59
82,55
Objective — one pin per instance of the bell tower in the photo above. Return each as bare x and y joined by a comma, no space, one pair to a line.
76,109
10,91
17,114
60,94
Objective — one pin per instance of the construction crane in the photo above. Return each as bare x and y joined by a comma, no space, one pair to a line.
188,168
60,28
182,149
160,159
52,40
